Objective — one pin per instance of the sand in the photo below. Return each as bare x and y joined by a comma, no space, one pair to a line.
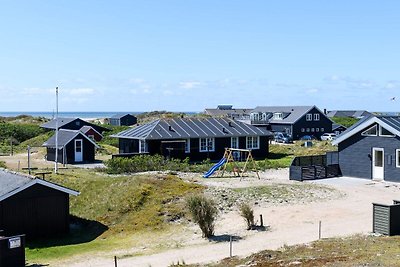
346,213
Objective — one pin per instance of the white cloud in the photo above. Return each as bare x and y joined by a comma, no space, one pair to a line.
189,84
168,92
312,91
37,91
80,91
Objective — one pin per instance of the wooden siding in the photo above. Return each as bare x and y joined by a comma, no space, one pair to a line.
96,135
36,211
355,156
127,120
323,122
158,147
88,152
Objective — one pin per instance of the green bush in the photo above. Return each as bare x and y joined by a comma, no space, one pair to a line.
248,215
204,212
20,132
3,165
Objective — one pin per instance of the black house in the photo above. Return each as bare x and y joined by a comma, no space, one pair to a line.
338,128
123,120
370,149
33,206
296,121
195,138
73,147
72,124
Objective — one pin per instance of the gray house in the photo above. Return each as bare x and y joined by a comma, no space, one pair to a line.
123,120
71,124
229,112
73,147
370,149
296,121
193,138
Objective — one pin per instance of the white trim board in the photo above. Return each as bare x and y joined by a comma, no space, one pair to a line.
365,124
41,182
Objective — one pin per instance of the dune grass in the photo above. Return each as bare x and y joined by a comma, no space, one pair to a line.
113,211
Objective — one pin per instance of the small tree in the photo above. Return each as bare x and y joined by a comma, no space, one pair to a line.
204,212
248,214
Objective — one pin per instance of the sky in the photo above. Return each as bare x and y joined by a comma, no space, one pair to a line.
187,55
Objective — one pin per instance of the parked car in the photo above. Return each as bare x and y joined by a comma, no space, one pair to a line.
328,136
308,138
280,137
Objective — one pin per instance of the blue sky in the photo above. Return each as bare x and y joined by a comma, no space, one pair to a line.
184,55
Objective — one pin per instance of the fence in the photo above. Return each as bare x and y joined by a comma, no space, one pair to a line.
315,167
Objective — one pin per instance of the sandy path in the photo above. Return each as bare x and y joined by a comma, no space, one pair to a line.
289,224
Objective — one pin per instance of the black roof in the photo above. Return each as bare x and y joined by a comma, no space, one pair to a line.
64,121
182,128
119,116
64,137
12,183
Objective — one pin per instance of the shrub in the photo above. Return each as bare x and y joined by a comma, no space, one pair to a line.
248,214
204,212
3,165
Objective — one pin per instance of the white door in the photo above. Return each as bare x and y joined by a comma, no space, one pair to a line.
378,163
78,150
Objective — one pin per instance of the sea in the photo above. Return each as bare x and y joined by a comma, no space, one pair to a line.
82,115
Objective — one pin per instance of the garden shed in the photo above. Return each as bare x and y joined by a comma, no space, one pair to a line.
123,120
32,206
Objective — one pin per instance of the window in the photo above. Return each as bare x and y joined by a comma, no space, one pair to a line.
372,131
252,142
308,130
187,146
317,130
207,144
384,132
278,116
397,158
234,142
316,117
312,130
309,117
78,123
302,130
142,146
322,130
91,136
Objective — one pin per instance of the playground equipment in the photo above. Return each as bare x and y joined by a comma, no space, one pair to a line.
231,156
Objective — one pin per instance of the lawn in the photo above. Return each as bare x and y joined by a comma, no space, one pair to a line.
114,212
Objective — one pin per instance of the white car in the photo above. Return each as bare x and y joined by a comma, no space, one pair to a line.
328,136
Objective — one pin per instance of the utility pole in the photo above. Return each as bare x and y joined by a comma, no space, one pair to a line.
56,155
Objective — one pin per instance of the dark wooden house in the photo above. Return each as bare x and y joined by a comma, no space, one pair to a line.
195,138
338,128
296,121
123,120
370,149
90,132
229,112
73,147
33,206
72,124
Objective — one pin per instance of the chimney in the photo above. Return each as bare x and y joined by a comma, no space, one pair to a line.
230,124
325,111
170,128
224,130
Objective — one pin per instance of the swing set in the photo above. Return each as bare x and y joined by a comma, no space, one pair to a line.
231,157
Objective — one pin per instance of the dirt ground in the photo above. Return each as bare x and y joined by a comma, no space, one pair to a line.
347,211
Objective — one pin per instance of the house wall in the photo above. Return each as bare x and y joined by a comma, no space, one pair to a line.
115,122
323,122
97,137
128,120
36,211
78,123
178,148
355,156
69,153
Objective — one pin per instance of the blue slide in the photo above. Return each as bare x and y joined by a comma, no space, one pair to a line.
214,168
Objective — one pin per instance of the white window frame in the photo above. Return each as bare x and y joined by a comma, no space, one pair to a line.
312,130
317,130
278,116
309,117
308,130
374,126
397,158
303,130
237,141
322,130
316,117
385,135
187,146
143,146
208,140
252,142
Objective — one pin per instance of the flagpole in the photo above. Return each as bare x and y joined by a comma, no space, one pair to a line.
56,155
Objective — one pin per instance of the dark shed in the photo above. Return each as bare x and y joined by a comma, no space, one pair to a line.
73,147
33,206
90,132
123,120
195,138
